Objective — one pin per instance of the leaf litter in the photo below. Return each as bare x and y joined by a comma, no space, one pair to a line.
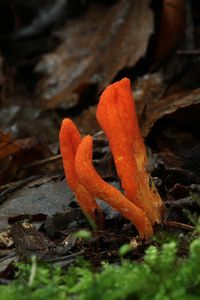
39,214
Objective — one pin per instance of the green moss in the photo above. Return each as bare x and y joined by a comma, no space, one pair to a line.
161,276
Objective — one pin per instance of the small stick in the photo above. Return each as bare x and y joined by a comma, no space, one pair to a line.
42,161
178,225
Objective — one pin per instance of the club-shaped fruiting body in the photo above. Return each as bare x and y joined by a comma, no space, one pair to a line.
116,114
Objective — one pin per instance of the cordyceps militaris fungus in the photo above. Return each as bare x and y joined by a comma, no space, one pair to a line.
117,117
101,189
69,141
116,114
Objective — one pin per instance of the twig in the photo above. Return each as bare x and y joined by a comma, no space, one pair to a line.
66,257
178,225
42,162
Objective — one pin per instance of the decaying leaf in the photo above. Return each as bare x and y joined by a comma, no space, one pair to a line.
170,104
45,196
94,48
29,241
7,145
16,153
172,27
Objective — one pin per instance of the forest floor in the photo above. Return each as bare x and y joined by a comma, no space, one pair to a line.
55,60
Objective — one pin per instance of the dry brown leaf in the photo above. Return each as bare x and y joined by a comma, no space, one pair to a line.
94,48
168,105
172,28
17,153
7,145
87,122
